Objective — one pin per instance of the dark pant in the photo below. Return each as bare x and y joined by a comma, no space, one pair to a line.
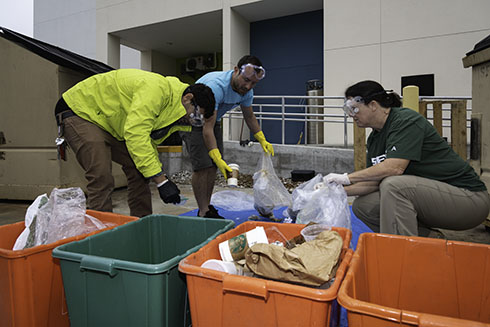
198,152
95,150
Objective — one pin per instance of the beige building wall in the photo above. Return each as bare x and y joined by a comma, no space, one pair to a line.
116,15
387,39
384,40
363,39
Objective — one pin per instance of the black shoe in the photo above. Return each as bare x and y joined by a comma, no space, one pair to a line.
213,213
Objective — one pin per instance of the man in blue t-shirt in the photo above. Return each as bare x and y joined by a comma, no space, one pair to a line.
205,144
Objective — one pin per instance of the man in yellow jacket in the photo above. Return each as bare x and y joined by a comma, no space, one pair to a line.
121,116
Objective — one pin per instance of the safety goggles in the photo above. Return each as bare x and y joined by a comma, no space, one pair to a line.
249,70
196,119
349,107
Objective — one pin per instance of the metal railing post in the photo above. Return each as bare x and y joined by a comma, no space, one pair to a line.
305,134
260,111
283,102
345,130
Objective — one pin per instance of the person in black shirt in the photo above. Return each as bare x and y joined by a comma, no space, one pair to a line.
414,181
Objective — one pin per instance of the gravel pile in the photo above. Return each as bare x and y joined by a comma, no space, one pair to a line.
244,180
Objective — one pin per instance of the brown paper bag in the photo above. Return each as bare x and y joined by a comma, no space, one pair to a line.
310,263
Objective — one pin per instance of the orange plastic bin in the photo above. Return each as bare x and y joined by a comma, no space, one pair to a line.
31,287
218,299
413,281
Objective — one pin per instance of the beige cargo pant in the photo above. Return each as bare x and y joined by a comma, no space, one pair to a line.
95,149
411,205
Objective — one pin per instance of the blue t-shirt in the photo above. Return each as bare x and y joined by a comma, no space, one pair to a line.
225,97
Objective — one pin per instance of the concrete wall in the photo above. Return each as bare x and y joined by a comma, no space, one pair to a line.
68,24
116,15
72,25
363,39
384,40
287,158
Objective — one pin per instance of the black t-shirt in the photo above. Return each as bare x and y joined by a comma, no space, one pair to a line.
408,135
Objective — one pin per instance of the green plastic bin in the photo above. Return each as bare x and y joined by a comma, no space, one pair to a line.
129,276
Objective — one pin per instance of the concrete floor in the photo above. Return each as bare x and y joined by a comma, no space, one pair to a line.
14,211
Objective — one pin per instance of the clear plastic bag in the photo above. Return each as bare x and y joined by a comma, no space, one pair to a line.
326,205
27,238
269,192
60,216
302,194
233,200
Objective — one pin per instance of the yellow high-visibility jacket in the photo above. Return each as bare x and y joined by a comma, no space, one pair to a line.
130,104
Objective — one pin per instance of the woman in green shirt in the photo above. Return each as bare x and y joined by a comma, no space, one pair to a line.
414,181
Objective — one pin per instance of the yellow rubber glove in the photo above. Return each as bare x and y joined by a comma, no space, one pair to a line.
265,145
222,166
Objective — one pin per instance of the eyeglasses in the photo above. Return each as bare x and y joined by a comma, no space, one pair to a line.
349,108
196,118
249,70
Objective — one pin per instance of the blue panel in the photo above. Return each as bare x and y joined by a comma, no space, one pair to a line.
291,50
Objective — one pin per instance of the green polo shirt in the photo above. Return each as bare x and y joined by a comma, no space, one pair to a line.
408,135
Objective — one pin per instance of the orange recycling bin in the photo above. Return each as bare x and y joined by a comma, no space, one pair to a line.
414,281
219,299
31,287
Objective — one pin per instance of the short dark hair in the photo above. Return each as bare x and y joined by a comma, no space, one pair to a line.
203,97
248,59
371,90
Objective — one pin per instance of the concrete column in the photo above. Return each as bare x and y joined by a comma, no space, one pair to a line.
113,51
146,60
236,36
236,44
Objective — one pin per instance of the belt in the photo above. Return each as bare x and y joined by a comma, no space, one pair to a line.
63,115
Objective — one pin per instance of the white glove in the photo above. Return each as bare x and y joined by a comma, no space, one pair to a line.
342,179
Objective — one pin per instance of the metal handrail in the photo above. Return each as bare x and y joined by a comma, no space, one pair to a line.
333,113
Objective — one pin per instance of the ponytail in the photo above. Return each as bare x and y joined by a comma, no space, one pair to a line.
371,90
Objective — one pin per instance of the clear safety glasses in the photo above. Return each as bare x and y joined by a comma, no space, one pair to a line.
349,105
250,70
196,118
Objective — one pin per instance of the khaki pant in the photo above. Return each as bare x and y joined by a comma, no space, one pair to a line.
95,150
410,205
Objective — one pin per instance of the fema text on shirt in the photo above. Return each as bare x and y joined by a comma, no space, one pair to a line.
381,158
378,159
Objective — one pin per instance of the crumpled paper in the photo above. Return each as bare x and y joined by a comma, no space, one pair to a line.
311,263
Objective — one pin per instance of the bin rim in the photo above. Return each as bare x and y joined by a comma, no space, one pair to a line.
12,254
157,268
390,313
307,292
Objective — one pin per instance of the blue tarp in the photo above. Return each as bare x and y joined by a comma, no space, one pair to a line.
358,227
